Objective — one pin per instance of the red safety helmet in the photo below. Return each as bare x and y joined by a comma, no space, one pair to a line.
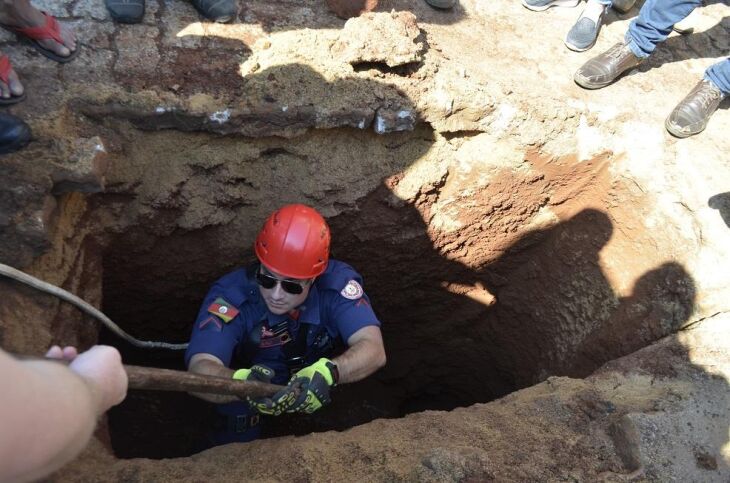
294,242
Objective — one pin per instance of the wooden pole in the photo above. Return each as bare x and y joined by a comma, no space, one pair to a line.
169,380
155,379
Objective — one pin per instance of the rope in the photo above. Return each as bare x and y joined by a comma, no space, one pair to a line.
84,307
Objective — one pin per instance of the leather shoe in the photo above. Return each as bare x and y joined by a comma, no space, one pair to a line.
693,112
221,11
602,70
14,133
126,11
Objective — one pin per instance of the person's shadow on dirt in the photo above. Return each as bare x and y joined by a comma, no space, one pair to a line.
316,14
548,309
721,203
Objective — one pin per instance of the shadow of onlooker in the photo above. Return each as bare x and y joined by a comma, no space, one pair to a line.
698,45
316,14
721,203
547,302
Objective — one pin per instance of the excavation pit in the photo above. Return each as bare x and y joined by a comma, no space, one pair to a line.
511,228
496,300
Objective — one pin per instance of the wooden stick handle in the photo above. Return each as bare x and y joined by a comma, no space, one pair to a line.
169,380
155,379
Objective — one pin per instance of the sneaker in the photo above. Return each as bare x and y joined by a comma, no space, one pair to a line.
602,70
441,4
540,5
221,11
687,25
126,11
693,112
623,6
582,36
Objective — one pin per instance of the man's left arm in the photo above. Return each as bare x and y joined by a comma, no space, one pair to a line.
365,355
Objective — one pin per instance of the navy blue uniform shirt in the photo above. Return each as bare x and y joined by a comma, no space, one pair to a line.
235,325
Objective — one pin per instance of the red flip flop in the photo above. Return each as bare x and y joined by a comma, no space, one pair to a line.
5,69
50,30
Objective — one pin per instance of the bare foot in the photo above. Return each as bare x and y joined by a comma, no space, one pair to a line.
13,88
20,13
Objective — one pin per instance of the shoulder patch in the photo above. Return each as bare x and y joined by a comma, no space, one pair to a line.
352,290
223,310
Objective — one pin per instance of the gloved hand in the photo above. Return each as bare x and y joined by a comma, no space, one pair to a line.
307,391
277,404
258,372
313,385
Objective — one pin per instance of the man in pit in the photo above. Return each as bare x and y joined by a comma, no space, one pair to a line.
280,321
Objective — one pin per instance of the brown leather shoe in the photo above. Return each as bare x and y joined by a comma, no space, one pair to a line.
693,112
602,70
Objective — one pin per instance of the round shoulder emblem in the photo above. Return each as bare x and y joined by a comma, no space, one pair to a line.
352,290
222,310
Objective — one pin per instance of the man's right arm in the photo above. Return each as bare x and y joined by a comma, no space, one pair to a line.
210,365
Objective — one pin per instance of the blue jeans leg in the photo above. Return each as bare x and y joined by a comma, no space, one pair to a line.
654,23
719,74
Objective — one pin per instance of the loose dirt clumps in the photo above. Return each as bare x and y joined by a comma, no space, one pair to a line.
388,39
514,231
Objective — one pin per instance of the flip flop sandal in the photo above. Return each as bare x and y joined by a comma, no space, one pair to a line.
5,69
51,30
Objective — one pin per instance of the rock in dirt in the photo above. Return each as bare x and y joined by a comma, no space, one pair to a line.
388,38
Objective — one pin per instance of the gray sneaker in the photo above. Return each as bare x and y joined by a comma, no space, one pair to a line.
582,36
694,111
602,70
540,5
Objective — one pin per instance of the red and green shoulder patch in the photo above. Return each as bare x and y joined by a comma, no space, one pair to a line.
223,310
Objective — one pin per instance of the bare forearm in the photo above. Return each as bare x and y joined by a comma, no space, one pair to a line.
211,367
48,415
360,360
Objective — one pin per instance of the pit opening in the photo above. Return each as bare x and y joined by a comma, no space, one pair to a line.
469,314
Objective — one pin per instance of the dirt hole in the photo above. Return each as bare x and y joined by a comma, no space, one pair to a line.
405,70
469,315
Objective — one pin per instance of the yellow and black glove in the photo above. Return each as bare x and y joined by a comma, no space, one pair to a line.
279,403
307,391
258,372
272,406
312,386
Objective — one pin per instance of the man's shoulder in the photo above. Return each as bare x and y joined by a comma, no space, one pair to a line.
337,276
236,287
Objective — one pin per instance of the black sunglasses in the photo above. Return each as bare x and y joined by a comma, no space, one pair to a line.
289,286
